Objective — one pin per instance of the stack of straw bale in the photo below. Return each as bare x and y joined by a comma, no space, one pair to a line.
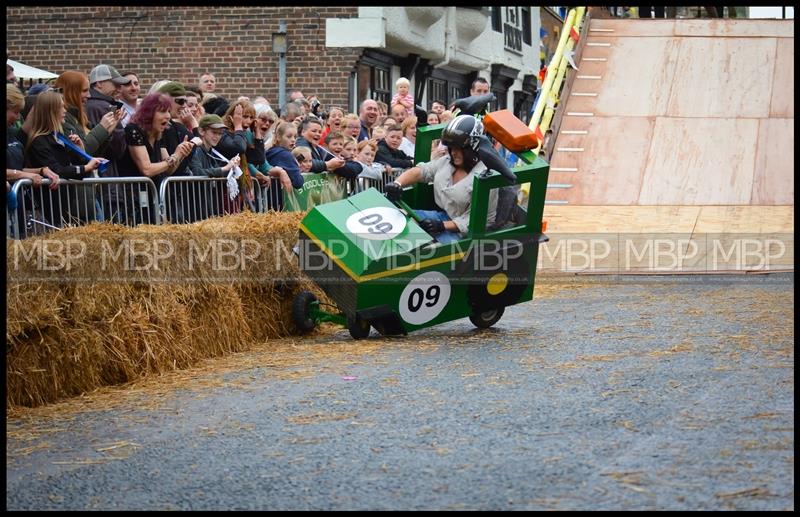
102,322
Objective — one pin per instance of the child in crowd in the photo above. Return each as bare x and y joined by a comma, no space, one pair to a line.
388,122
403,97
378,133
349,148
334,142
366,154
383,109
280,155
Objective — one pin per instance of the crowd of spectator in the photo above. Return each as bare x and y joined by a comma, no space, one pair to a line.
100,125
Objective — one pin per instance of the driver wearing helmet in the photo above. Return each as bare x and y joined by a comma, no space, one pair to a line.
452,176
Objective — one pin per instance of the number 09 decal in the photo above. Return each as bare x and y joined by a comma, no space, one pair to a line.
381,223
424,298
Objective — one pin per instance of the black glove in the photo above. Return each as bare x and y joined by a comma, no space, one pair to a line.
432,225
393,191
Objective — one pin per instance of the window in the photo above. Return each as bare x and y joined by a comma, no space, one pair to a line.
526,25
523,105
497,22
447,86
512,30
456,92
437,91
381,91
373,78
501,100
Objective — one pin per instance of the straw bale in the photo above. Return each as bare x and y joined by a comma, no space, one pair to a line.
31,307
103,320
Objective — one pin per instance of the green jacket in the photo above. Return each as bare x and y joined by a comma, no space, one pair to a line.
94,141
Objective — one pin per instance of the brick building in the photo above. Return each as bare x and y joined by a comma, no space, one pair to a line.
341,54
181,42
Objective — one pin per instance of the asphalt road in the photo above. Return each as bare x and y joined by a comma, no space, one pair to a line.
633,393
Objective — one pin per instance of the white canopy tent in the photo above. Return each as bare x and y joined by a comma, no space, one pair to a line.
28,72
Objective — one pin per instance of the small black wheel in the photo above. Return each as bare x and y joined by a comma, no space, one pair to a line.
301,311
359,329
485,319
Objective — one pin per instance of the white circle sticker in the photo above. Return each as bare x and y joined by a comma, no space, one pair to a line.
424,298
381,223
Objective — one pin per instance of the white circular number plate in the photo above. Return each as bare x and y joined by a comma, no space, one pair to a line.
381,222
424,298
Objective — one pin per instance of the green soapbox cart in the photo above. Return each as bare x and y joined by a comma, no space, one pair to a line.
384,272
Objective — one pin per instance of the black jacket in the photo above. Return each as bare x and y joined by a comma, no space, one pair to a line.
232,144
46,151
319,155
173,135
98,105
394,157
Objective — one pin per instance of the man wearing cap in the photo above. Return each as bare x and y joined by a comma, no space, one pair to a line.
104,82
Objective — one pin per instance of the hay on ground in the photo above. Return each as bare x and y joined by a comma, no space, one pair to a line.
108,318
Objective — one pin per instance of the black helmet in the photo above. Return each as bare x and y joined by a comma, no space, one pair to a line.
463,131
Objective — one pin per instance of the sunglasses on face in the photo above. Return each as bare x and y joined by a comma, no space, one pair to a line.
300,158
180,101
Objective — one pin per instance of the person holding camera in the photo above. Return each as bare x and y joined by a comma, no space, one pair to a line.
96,141
181,128
104,82
75,88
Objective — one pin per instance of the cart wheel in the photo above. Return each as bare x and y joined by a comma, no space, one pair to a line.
359,329
485,319
301,308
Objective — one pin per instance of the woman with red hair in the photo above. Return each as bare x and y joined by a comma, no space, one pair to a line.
146,154
75,86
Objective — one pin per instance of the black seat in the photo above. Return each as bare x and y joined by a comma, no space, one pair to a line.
475,104
508,212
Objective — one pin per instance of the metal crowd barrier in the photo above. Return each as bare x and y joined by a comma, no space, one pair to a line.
268,198
127,201
135,200
186,199
362,184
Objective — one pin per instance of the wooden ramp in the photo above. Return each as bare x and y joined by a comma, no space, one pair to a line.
679,134
679,112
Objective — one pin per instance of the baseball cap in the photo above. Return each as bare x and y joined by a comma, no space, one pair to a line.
212,121
173,89
106,72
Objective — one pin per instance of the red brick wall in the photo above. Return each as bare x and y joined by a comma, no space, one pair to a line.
179,43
